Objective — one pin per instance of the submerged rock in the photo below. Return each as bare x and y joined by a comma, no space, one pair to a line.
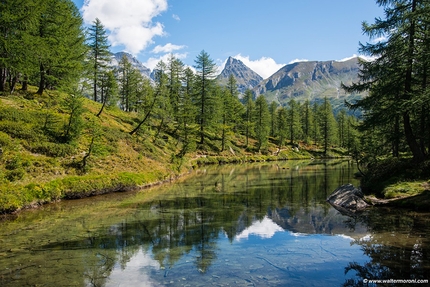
348,198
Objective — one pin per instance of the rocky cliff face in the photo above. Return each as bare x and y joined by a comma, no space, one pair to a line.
116,58
311,80
245,77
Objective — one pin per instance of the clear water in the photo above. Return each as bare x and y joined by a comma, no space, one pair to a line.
248,225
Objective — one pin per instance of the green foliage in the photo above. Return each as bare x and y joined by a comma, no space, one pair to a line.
73,104
261,121
205,99
397,80
98,57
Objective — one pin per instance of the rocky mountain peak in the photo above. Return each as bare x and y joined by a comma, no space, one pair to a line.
245,77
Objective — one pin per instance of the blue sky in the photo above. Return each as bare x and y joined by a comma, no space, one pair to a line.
265,35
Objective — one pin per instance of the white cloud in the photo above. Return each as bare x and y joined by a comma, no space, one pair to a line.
347,58
135,272
265,228
152,62
264,66
168,48
130,22
298,60
176,17
366,58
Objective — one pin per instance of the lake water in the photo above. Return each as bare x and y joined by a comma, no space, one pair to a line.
233,225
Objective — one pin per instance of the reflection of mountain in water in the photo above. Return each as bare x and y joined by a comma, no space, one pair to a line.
315,221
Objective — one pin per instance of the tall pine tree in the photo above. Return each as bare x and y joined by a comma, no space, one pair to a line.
99,54
204,96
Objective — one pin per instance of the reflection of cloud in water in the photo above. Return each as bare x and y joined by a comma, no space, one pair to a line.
134,273
265,228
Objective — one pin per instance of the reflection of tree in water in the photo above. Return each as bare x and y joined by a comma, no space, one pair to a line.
189,218
398,247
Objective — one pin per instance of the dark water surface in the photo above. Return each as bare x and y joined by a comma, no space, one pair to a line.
249,225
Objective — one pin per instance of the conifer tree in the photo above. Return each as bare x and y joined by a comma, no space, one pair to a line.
108,90
130,85
315,124
163,107
248,115
237,107
341,120
272,112
175,74
327,124
99,54
18,21
293,119
307,118
187,113
397,80
60,44
204,96
281,118
262,122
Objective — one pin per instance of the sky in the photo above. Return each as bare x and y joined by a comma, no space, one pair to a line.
264,34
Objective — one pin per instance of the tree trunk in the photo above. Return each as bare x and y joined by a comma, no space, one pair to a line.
13,83
144,119
396,140
418,156
42,80
3,79
25,83
410,138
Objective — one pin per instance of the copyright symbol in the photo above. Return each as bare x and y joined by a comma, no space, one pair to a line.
365,281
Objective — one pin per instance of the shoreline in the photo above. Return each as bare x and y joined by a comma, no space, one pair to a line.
72,191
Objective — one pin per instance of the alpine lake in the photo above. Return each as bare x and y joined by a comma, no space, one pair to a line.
260,224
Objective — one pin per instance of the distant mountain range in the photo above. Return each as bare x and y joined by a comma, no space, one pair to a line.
311,80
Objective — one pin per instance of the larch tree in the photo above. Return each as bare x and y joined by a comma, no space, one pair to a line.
307,117
328,125
281,118
19,19
262,122
187,112
272,112
248,122
397,80
60,43
108,90
293,119
99,55
204,97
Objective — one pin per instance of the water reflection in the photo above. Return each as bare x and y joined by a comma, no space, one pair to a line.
398,246
262,225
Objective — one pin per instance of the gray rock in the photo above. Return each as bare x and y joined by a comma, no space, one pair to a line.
349,198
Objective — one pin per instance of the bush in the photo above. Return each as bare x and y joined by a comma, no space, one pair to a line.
14,175
19,130
51,149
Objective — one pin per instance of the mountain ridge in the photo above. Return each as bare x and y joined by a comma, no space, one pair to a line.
311,80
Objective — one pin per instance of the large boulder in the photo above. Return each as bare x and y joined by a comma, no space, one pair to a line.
348,198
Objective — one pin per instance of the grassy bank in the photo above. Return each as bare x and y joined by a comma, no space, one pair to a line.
41,162
399,183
